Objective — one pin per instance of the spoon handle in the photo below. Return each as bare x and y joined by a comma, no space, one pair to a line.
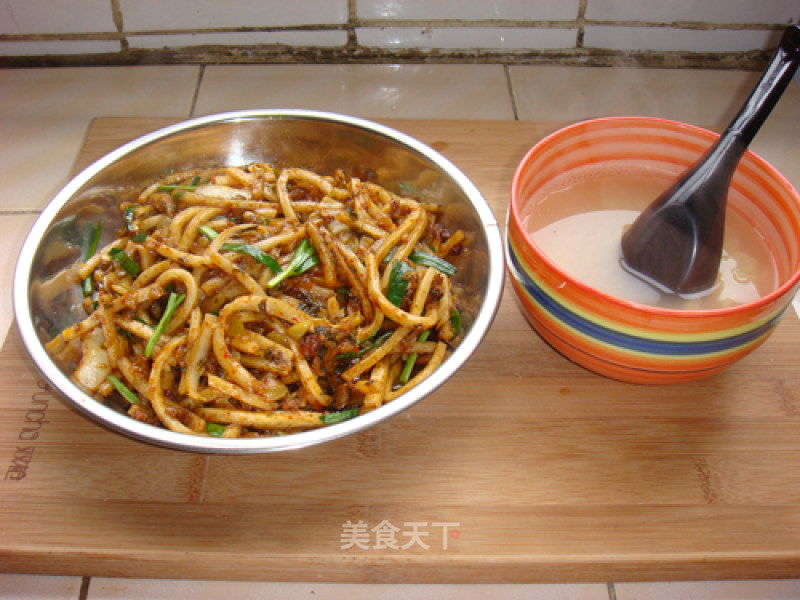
772,84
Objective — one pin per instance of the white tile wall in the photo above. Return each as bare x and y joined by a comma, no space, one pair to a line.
616,37
713,11
156,15
58,47
459,9
289,38
47,16
78,27
485,38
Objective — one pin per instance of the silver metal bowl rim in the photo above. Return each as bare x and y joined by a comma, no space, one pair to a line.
203,444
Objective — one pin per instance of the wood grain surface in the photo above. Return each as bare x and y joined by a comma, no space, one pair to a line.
522,468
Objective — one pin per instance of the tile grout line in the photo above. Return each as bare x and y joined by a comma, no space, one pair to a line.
200,74
510,89
83,594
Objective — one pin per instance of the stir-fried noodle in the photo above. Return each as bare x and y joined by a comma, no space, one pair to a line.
244,301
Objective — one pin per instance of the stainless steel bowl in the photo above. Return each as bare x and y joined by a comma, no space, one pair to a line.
314,140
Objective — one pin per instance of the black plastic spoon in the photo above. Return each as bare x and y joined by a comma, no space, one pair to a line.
676,242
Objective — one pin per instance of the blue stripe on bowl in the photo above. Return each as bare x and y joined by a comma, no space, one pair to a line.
627,341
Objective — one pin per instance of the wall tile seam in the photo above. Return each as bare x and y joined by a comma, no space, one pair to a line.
199,55
121,36
281,51
440,23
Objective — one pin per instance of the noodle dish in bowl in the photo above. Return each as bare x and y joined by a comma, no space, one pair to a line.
258,281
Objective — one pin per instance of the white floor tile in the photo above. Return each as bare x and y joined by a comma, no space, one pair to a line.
710,590
26,587
130,589
372,91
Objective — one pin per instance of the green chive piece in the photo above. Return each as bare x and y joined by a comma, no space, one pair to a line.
405,374
398,284
304,257
374,344
94,239
455,320
377,341
91,250
338,417
125,261
123,389
408,189
429,260
190,187
208,231
169,188
215,429
254,252
128,214
172,305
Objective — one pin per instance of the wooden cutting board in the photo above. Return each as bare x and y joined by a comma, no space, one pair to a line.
522,468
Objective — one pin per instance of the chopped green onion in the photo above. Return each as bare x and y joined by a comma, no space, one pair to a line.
168,188
129,224
405,374
398,284
215,429
256,253
123,389
308,263
429,260
389,256
377,341
125,261
304,257
94,239
408,189
181,186
374,344
91,250
338,417
208,231
139,238
172,305
455,320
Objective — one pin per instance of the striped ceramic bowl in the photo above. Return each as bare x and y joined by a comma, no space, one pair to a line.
635,342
